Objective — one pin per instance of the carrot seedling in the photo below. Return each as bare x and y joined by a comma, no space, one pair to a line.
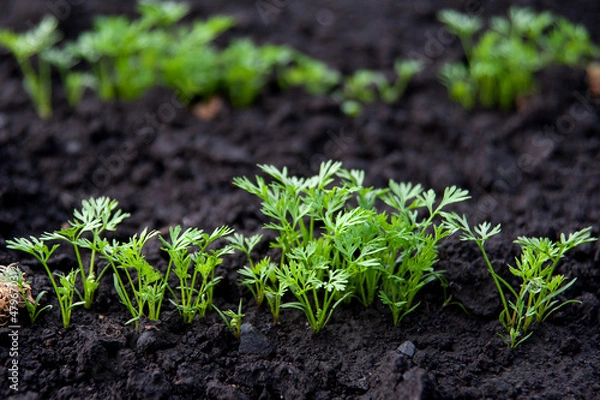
335,244
536,298
232,319
143,289
24,47
85,232
125,54
313,75
191,66
366,86
194,269
501,66
256,275
65,287
74,82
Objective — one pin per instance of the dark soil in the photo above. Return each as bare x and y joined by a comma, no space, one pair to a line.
536,171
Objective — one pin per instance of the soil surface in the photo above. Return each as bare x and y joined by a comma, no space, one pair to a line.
536,171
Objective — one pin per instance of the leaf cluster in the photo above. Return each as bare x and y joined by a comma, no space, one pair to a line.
28,48
122,58
85,234
366,86
140,286
537,295
501,66
337,240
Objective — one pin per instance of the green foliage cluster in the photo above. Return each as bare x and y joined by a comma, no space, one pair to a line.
366,86
25,47
141,287
335,243
501,65
121,58
337,240
536,298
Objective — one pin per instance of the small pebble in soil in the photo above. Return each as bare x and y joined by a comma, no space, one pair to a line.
407,348
153,339
253,341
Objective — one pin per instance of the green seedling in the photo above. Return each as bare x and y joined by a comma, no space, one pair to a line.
537,296
366,86
115,52
405,71
461,88
259,277
65,287
256,275
318,288
142,291
501,66
335,244
232,319
463,26
570,44
160,13
311,74
85,232
24,47
124,54
411,242
191,66
75,82
247,69
194,269
15,292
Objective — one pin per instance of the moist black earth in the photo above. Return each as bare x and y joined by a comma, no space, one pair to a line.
536,171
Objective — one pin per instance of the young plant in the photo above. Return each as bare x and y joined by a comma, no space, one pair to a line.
191,66
274,294
74,82
24,47
462,25
406,70
366,86
15,292
125,54
195,270
537,296
311,74
85,232
501,66
570,44
65,288
318,288
461,88
332,249
257,275
246,70
232,319
411,250
142,292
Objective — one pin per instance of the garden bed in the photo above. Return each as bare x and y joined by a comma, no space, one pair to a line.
536,171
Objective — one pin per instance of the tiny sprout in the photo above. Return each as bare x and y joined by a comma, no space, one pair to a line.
232,319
